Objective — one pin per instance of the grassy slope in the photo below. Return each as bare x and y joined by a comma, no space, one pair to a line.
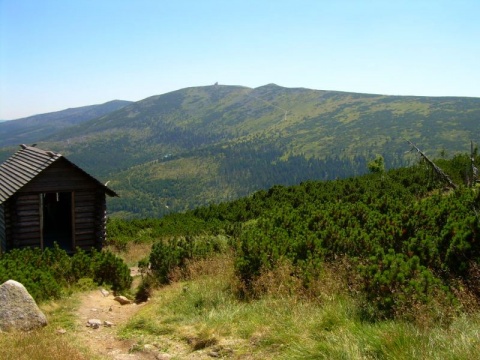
148,148
201,316
35,128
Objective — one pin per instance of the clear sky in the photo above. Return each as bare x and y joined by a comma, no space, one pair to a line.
56,54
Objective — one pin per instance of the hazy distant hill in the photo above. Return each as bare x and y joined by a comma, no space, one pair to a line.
205,144
36,128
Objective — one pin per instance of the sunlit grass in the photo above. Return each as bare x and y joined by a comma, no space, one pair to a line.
204,313
56,341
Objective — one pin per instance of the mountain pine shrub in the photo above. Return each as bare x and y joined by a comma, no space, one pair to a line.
175,252
50,273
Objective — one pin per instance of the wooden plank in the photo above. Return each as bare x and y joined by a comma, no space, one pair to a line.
61,177
42,220
31,230
83,226
86,242
84,209
3,232
34,224
84,233
83,218
72,219
28,240
27,213
27,200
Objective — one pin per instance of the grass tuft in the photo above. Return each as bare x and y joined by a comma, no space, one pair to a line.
204,313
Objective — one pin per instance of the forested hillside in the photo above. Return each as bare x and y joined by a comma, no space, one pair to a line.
386,262
403,242
202,145
35,128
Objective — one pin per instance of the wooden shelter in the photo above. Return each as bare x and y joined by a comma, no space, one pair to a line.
45,198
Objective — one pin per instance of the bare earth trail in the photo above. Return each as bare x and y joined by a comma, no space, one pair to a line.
103,341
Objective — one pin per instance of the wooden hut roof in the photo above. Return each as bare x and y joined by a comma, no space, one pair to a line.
25,165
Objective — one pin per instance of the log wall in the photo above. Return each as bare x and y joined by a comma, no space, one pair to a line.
3,238
26,221
22,212
88,227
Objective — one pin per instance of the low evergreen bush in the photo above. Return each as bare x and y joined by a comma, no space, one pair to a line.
50,273
174,253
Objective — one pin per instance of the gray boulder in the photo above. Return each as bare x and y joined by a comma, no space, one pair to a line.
18,310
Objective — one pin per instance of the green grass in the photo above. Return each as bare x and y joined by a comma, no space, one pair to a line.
203,313
47,343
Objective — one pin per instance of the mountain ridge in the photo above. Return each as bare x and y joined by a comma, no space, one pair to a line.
197,145
36,127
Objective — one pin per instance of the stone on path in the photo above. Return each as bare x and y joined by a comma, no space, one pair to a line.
94,323
108,323
18,310
122,300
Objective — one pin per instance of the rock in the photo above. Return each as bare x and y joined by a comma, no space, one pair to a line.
104,292
107,323
18,310
94,323
61,331
122,300
163,356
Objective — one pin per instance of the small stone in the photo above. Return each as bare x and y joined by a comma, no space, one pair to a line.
122,300
104,292
61,331
214,354
94,323
163,356
107,323
149,347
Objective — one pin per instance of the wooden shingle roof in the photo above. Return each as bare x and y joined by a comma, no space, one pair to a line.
25,165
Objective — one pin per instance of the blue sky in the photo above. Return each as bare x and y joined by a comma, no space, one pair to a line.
56,54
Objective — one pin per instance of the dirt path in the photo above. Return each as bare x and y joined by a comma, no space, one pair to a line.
103,341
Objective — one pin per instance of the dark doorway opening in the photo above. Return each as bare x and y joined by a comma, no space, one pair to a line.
57,220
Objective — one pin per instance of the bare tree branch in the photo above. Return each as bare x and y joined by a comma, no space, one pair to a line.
474,168
437,170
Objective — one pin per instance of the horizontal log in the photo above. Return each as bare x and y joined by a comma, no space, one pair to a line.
32,224
27,213
27,242
84,209
28,230
28,200
86,240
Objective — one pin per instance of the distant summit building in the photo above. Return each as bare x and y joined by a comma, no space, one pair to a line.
45,198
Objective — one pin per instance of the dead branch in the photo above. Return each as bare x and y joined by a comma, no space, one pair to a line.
437,170
474,168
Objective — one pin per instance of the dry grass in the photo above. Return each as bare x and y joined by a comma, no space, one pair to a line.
43,344
203,314
48,343
195,269
134,252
